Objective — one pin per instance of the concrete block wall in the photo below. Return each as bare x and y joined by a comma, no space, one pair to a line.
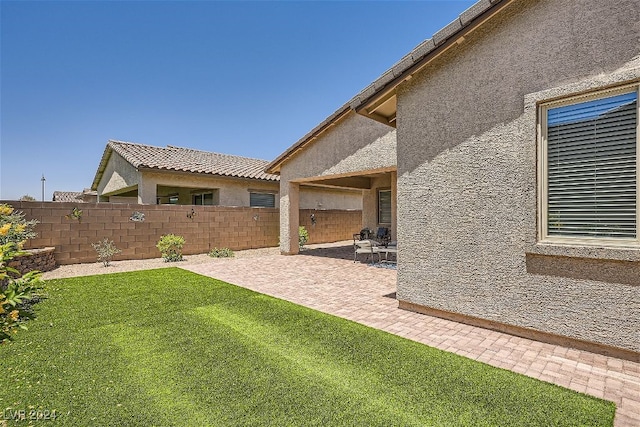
203,227
331,225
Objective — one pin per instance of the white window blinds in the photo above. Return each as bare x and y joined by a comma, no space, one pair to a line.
592,168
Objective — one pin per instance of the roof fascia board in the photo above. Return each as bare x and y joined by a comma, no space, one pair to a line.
106,155
385,86
441,45
206,175
274,166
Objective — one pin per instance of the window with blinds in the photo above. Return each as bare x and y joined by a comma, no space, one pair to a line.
262,200
591,168
384,207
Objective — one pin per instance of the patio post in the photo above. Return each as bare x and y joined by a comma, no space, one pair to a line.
394,205
289,218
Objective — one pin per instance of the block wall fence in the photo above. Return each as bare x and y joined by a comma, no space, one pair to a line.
203,227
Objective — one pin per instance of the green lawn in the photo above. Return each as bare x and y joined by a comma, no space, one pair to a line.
169,348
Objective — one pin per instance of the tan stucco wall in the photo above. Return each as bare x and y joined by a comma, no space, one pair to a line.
370,202
231,191
118,175
467,174
327,198
354,145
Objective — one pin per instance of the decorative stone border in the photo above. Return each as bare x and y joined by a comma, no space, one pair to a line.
34,259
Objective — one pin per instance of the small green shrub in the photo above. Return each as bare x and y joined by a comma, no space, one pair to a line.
170,246
221,253
303,236
106,249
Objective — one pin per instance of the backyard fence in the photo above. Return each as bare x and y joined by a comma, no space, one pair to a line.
135,229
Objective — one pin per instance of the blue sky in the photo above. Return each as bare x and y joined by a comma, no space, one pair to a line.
243,78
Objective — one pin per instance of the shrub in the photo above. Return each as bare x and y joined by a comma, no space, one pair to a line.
221,253
17,294
14,228
106,249
303,236
170,246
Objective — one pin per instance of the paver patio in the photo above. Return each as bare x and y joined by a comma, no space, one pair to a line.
326,279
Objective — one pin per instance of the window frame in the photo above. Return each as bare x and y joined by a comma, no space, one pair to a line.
384,190
214,197
263,193
542,171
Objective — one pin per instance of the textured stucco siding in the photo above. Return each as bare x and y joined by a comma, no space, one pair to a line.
370,202
118,176
231,191
467,174
326,198
352,146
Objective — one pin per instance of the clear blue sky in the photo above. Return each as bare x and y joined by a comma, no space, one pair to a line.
243,78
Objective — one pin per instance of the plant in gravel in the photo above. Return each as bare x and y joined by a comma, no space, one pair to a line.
106,249
303,236
170,247
221,253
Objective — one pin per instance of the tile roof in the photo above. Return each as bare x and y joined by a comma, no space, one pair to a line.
83,196
68,196
181,159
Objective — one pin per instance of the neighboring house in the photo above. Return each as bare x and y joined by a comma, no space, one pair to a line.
84,196
514,165
145,174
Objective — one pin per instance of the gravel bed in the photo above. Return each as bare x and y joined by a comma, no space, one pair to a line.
92,268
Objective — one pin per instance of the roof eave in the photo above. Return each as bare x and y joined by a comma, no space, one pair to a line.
106,155
404,69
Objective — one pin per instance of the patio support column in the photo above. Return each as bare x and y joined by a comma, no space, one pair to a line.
289,217
394,205
147,192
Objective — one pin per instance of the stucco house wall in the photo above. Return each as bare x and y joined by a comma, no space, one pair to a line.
467,175
353,145
118,174
370,202
231,191
326,198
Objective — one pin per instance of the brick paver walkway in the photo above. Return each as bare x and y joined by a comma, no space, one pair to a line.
361,293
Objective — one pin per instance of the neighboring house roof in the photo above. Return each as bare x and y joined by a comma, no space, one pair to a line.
67,196
383,88
180,159
74,196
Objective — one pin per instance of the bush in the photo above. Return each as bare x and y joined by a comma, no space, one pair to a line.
106,249
303,236
221,253
170,246
14,228
17,294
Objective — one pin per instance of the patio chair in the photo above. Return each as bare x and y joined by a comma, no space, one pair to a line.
383,236
368,247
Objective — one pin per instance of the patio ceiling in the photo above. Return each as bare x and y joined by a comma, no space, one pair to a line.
362,181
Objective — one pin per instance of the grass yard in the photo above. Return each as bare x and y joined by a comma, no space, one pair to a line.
171,348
